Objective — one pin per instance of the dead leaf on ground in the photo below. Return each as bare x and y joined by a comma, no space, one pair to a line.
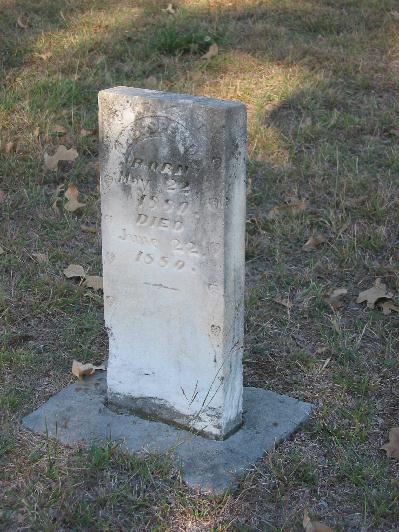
94,281
335,298
2,250
80,370
314,526
61,154
89,229
36,132
74,270
40,257
388,307
314,242
392,447
171,10
9,147
292,206
374,294
395,15
287,303
2,195
71,195
212,52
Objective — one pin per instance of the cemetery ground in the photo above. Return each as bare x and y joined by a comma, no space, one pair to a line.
320,81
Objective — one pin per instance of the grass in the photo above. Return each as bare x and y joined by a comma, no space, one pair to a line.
320,81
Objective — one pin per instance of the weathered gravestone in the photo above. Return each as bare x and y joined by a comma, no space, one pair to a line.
173,224
173,214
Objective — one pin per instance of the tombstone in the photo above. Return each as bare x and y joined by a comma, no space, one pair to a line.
173,223
173,213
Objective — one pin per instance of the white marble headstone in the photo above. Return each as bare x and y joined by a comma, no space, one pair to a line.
173,220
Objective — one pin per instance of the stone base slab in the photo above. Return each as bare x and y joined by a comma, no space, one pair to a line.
78,414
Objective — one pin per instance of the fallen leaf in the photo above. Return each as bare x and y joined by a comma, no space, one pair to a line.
285,302
292,206
80,370
9,147
314,242
395,15
212,52
21,24
374,294
74,270
58,129
61,154
2,195
94,281
335,298
88,132
40,257
387,307
36,132
89,229
2,250
392,447
171,10
71,195
314,526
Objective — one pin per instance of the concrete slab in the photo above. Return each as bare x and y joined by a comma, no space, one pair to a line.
79,413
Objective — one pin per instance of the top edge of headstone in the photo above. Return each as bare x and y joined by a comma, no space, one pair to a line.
172,96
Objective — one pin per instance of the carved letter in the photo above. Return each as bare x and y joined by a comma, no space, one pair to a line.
181,170
177,225
164,222
167,169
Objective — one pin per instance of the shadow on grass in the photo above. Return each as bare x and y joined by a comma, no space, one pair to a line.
97,44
